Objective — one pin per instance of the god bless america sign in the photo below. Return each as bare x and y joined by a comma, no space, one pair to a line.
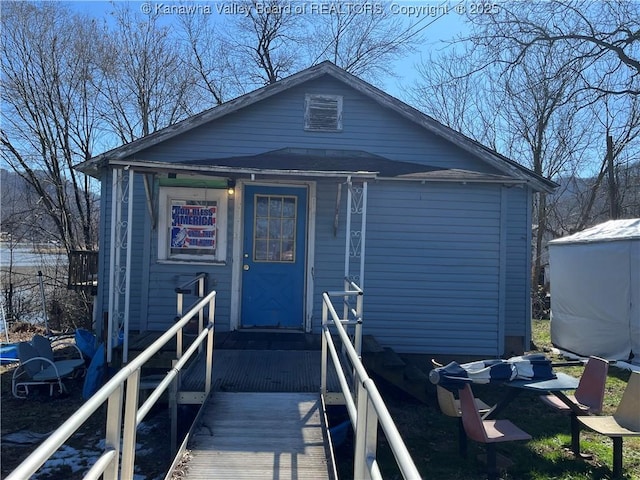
193,227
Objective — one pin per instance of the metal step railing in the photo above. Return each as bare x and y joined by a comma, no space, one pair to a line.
118,458
364,404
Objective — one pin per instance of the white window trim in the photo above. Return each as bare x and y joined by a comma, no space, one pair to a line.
166,196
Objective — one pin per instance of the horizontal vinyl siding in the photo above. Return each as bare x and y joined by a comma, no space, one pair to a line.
136,287
164,278
278,122
518,267
328,269
432,273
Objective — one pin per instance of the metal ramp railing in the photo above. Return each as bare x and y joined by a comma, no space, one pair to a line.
118,458
359,393
364,404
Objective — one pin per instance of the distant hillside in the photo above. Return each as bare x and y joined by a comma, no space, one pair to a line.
570,203
22,216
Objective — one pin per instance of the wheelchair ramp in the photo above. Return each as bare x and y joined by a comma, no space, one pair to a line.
250,435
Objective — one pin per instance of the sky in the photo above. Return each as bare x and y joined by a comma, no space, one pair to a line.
438,21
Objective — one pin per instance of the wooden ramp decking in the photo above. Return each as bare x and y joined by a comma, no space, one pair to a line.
264,418
260,435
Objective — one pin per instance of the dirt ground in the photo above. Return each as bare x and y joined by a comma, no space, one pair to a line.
24,423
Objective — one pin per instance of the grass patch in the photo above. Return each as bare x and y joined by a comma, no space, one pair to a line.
432,438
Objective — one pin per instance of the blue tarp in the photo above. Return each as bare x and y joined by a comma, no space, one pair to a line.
95,373
86,342
8,353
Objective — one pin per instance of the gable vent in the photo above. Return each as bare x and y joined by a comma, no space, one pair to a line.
323,113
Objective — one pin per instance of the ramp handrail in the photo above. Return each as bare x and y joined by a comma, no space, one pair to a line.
201,281
120,428
365,405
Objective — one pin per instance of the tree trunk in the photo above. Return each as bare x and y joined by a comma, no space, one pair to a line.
541,215
614,210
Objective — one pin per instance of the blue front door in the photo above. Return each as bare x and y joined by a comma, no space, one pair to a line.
273,256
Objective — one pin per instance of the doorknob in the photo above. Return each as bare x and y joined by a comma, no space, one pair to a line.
245,267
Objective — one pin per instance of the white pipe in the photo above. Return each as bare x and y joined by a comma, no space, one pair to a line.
4,320
367,393
363,234
157,167
44,303
348,230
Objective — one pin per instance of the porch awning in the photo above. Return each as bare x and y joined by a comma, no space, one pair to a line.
301,162
343,162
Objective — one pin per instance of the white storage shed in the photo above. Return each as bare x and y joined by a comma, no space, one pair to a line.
595,291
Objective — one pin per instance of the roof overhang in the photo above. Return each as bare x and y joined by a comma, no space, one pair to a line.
315,163
149,166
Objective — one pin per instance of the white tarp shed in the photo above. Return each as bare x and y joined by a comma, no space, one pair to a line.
595,291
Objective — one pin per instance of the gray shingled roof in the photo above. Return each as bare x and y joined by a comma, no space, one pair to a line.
318,160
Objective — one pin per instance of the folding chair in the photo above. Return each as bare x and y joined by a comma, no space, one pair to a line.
36,370
488,432
625,422
44,349
450,406
588,397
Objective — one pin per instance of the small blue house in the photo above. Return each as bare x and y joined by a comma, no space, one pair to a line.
279,193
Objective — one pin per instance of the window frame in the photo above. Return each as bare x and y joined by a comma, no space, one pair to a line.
166,196
309,100
280,220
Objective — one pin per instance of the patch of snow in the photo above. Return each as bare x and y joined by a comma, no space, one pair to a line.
24,438
76,460
80,460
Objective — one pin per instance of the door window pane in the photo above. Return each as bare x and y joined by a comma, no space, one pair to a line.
262,206
260,251
274,232
289,208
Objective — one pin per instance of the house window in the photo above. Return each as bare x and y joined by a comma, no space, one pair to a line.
323,113
192,224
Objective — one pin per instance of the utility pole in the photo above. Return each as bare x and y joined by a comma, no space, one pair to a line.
614,210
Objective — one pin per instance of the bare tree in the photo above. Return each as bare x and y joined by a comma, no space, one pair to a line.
562,78
602,36
529,111
49,120
144,83
617,121
265,41
207,58
276,38
363,38
448,90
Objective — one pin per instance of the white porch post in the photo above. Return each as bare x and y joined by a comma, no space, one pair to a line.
355,235
127,285
119,267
